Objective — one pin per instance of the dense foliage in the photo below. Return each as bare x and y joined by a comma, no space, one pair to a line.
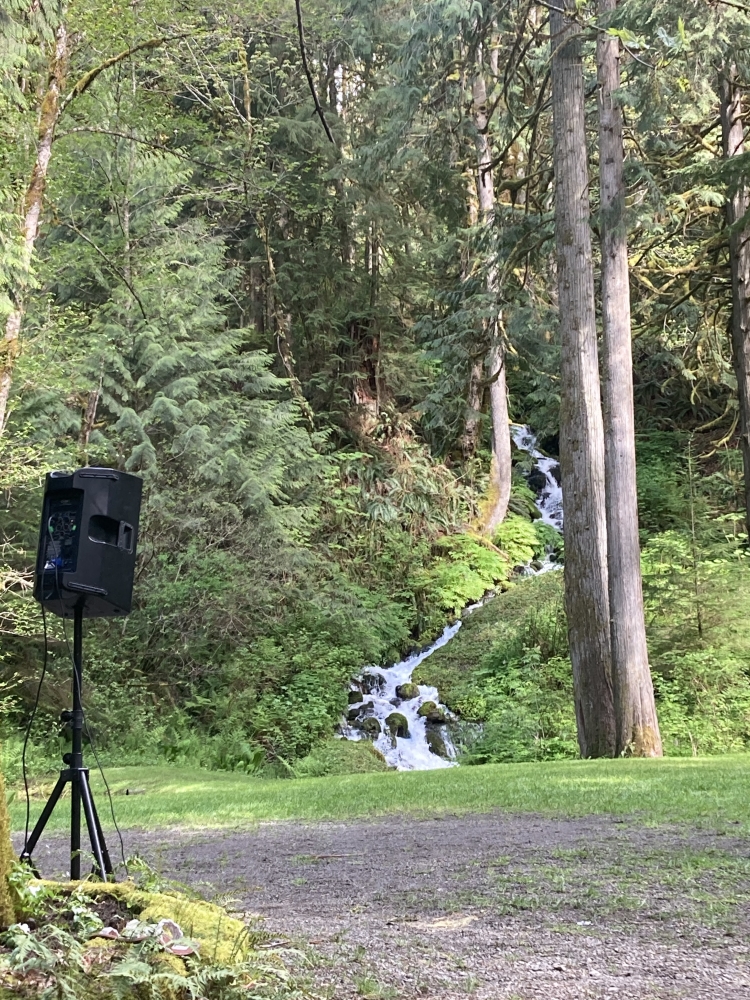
277,332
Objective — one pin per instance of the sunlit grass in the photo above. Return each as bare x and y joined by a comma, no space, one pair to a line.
711,791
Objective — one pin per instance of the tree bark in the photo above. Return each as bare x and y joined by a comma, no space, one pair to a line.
500,468
635,710
581,428
48,118
737,206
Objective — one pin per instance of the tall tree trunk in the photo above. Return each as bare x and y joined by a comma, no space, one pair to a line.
500,469
738,203
581,428
502,466
48,118
635,710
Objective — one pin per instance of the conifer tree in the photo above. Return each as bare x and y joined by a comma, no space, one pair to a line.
581,428
637,724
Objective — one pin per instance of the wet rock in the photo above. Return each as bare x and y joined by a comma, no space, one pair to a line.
435,742
371,683
556,474
407,691
431,712
537,480
352,714
370,726
397,725
355,697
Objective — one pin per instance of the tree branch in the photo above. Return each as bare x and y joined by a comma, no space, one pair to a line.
88,78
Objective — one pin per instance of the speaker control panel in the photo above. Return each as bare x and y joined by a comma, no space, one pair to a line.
61,532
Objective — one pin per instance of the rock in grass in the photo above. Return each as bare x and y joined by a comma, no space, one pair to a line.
397,725
407,691
431,712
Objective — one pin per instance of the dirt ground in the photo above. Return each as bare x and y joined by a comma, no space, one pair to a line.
493,907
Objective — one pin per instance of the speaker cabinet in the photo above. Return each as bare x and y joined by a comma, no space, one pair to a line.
87,542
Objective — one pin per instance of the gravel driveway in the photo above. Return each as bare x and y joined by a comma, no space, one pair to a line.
495,907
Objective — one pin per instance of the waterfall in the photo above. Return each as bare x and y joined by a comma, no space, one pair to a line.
405,721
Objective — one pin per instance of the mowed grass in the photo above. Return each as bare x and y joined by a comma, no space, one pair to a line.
711,792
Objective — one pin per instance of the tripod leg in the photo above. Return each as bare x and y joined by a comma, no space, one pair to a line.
105,853
36,833
92,824
75,827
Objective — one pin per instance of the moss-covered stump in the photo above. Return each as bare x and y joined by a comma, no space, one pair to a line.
222,939
111,941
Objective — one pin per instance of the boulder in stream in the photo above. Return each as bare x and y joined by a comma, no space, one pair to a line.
370,726
407,691
435,742
398,725
431,712
371,683
352,714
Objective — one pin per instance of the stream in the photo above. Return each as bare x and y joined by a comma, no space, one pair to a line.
407,722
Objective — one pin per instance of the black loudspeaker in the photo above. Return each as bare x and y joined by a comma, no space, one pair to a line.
87,541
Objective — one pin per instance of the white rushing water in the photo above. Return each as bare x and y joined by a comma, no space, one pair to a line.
378,701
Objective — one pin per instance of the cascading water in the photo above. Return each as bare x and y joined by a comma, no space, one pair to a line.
405,721
544,478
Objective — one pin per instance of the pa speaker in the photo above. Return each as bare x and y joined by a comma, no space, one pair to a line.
87,542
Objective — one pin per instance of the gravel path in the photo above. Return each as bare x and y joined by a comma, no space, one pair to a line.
494,907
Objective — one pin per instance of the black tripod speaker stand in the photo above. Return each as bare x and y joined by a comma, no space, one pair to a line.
78,776
84,568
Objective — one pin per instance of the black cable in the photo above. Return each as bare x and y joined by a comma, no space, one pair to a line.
27,734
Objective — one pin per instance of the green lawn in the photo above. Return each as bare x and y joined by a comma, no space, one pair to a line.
711,791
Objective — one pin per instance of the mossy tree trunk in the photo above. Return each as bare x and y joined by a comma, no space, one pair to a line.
500,469
738,202
7,914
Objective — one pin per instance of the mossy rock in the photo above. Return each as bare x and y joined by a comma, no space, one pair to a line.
435,742
432,712
371,726
342,757
398,725
407,691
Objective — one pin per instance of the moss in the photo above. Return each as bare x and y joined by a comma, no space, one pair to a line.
222,939
7,910
407,691
398,725
451,669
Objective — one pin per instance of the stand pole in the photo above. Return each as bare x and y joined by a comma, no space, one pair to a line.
78,776
76,756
